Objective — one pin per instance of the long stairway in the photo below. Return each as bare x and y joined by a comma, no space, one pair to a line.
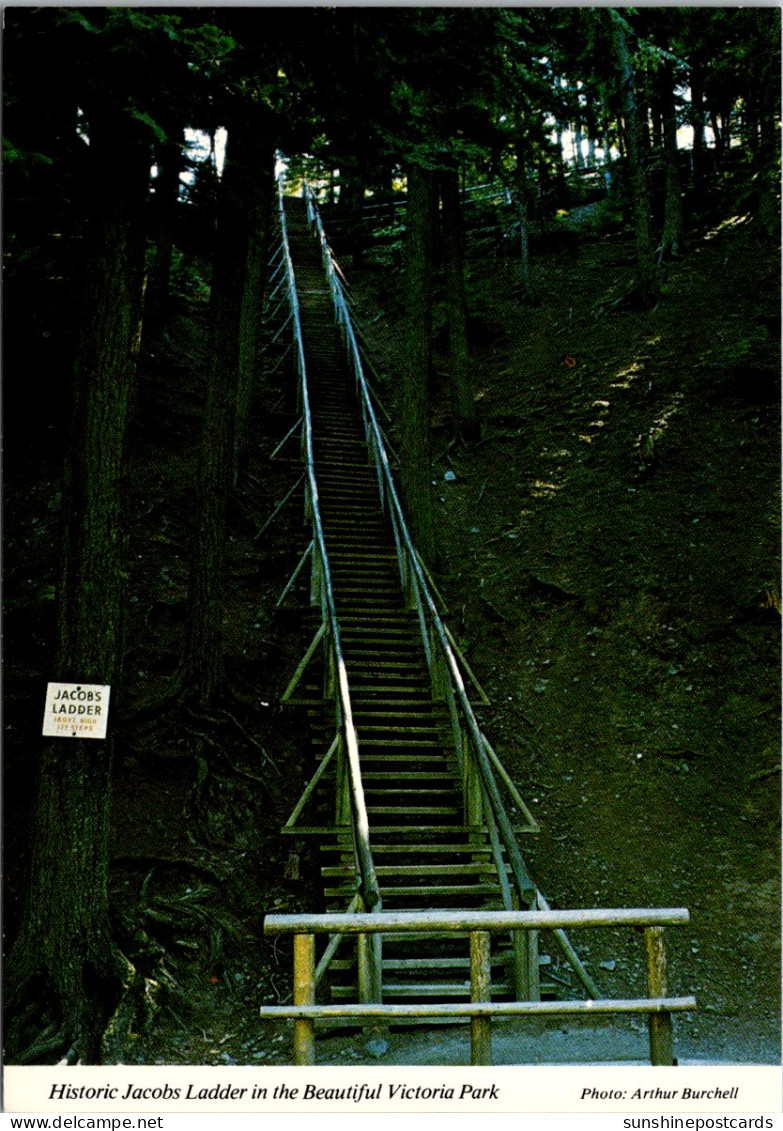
425,855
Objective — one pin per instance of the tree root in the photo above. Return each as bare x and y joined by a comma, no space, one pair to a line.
53,1018
218,718
253,742
173,862
50,1043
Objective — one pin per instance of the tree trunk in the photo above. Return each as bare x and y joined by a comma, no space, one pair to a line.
201,671
523,204
258,152
352,189
673,223
717,124
164,209
697,125
65,974
456,307
561,184
415,441
766,95
579,157
645,267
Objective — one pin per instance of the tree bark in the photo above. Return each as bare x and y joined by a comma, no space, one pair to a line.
561,183
523,206
352,190
697,121
456,306
673,222
415,440
765,100
645,266
201,672
65,974
259,155
164,208
579,157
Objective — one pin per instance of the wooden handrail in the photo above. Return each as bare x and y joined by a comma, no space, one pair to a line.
412,568
368,880
391,922
480,1009
466,1009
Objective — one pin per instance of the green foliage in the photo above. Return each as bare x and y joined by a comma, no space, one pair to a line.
26,160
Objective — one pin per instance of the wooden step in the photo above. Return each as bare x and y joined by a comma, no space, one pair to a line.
476,867
424,853
422,989
425,891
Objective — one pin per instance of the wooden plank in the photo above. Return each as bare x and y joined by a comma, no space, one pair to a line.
427,743
316,830
421,990
381,794
416,849
475,867
295,574
414,810
400,830
313,783
425,963
424,889
332,947
304,996
304,662
426,921
660,1023
480,992
411,775
570,953
489,1009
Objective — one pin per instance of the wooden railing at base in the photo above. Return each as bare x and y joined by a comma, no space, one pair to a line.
479,925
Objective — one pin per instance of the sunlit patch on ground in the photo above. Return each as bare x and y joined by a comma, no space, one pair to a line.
727,226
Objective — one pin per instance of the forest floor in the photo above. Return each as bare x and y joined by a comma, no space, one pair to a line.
610,562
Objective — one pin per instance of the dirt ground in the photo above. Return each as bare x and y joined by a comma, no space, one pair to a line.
611,569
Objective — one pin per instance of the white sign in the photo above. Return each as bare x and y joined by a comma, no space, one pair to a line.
76,710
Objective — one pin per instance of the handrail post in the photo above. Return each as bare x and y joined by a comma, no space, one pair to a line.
480,991
474,806
304,994
527,983
329,674
342,814
435,667
660,1024
369,979
369,969
316,579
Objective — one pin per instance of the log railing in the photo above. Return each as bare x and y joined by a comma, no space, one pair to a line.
350,808
482,800
480,1010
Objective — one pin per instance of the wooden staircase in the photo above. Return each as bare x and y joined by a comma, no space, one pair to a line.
425,854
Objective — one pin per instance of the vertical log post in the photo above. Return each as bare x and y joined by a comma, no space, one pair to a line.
304,994
474,810
480,990
369,975
527,986
660,1024
456,729
369,967
316,577
342,809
